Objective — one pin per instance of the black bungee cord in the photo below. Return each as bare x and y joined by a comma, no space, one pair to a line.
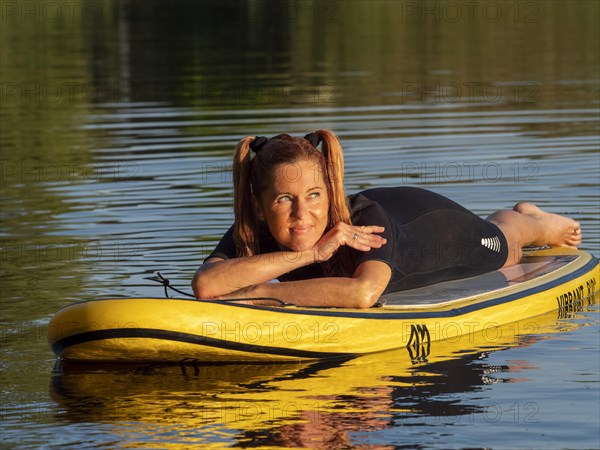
167,285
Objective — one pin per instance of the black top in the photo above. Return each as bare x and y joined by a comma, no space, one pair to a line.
429,239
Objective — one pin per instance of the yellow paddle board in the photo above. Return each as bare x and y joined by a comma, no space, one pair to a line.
174,330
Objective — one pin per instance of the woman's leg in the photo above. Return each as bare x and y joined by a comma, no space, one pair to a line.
527,224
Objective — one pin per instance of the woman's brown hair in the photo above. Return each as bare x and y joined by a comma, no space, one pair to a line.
252,175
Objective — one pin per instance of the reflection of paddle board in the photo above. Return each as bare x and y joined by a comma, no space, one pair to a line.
188,397
143,329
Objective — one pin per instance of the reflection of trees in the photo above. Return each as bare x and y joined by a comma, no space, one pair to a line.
264,53
44,150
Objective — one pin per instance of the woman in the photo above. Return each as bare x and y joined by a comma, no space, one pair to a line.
294,222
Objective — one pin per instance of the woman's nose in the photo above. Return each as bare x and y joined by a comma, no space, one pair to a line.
299,209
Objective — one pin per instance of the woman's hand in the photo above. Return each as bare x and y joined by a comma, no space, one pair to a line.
361,238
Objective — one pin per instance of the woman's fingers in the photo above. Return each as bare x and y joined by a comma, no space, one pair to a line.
369,230
364,237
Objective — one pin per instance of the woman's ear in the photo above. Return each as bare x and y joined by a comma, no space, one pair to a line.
258,207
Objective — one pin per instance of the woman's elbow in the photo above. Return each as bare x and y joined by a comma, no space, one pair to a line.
205,284
366,302
197,286
371,279
366,296
366,293
201,287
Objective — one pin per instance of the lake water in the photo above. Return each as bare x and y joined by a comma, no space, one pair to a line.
119,121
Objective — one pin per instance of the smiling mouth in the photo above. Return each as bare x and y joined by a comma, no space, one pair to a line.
300,230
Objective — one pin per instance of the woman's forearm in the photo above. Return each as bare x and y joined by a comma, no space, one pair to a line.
342,292
223,277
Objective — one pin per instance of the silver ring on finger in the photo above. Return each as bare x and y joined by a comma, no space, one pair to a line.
355,237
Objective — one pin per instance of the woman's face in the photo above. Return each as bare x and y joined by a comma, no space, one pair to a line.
296,205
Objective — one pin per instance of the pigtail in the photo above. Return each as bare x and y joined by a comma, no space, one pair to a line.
246,224
334,162
339,211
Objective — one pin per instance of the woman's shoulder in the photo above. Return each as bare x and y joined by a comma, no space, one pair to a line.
362,208
370,197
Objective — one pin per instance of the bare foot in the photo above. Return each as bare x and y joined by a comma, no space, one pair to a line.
558,231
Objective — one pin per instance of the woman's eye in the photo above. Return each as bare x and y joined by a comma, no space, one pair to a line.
283,198
314,194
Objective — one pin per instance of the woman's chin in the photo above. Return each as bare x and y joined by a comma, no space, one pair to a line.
301,245
298,243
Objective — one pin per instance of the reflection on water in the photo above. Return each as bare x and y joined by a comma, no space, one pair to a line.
119,120
325,404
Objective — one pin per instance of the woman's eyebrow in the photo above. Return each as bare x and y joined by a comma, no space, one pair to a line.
276,194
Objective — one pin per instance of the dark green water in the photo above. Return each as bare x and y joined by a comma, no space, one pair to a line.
118,123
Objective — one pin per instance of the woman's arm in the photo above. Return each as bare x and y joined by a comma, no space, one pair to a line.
360,291
219,276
